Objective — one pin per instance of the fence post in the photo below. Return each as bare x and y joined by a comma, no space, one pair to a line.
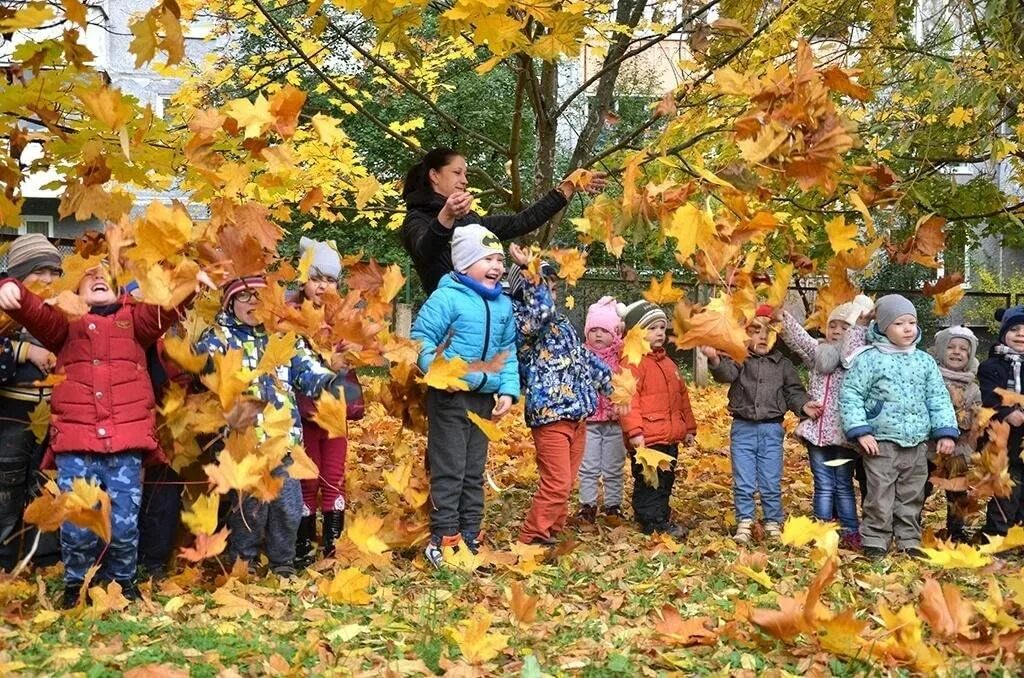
700,368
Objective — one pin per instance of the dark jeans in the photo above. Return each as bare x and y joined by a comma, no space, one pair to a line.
456,457
20,456
159,517
651,504
833,486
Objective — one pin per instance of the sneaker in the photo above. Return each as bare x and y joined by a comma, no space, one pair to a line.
743,530
72,593
850,541
587,513
874,552
283,571
773,530
434,553
675,530
612,512
473,541
913,552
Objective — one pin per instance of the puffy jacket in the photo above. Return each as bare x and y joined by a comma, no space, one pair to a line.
898,397
476,329
106,404
429,243
612,357
822,387
997,372
661,410
303,373
562,379
763,388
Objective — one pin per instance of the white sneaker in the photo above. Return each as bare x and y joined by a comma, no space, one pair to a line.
773,530
743,529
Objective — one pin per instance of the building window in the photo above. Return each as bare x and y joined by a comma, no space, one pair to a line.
31,223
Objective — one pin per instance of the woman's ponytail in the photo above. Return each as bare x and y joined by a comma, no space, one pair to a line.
417,179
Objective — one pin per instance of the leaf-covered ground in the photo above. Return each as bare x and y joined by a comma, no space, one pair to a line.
606,601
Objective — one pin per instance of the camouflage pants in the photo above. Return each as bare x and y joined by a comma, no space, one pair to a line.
120,475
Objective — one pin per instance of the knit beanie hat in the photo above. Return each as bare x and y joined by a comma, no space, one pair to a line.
943,337
603,314
31,252
642,313
326,261
851,311
890,307
471,243
1008,317
233,287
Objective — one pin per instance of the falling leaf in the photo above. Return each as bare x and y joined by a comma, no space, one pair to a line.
489,428
332,413
635,345
662,292
201,518
841,236
716,326
944,610
362,530
624,387
206,546
943,302
39,420
88,507
446,375
572,264
651,461
180,351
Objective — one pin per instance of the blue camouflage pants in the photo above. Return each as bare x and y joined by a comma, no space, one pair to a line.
120,475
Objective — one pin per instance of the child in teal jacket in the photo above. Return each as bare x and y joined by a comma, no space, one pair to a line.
892,402
468,316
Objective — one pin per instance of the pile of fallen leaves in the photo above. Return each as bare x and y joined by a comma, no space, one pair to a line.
606,599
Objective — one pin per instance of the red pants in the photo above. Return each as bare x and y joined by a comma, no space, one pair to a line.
329,456
559,454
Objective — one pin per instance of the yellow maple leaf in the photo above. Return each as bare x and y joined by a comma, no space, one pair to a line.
635,345
651,461
489,427
305,263
349,586
960,556
446,375
228,474
716,325
998,543
943,302
88,507
662,292
201,517
686,225
253,116
31,15
779,288
841,235
327,129
279,351
391,283
302,466
801,530
180,351
228,379
572,264
332,414
960,116
39,420
362,529
474,641
624,387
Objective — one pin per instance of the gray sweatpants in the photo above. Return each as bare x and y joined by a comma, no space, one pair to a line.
895,477
603,459
272,524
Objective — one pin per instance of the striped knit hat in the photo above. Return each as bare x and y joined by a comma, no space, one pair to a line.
642,313
232,288
31,252
517,280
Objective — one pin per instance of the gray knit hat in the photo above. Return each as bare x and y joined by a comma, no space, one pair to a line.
943,337
471,243
31,252
642,313
326,261
890,307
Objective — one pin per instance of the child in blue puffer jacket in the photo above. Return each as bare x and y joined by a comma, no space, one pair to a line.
562,381
891,402
468,316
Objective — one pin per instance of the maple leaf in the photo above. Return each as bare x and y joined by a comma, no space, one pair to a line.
841,236
716,325
47,511
842,634
624,387
39,420
635,345
693,631
572,264
474,641
349,586
279,351
690,226
391,283
998,543
799,614
960,116
285,106
228,380
102,601
946,612
489,428
201,518
206,546
446,375
943,302
580,178
779,288
88,506
181,352
332,414
801,530
960,556
253,116
522,604
362,530
662,292
651,461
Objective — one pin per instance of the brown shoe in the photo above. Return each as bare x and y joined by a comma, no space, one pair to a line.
587,513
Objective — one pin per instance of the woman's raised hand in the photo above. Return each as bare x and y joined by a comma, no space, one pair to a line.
455,207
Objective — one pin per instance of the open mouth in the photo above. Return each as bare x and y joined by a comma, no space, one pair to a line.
492,276
99,286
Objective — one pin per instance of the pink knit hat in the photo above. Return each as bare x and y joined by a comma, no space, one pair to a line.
602,314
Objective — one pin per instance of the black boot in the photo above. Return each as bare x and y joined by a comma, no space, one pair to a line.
334,523
129,589
72,592
305,552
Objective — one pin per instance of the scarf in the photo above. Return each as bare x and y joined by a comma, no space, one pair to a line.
608,354
1014,359
958,376
488,293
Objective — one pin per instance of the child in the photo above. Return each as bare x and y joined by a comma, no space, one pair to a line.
954,351
275,523
562,380
833,485
103,427
605,454
891,402
659,418
1002,369
468,317
761,390
328,453
34,261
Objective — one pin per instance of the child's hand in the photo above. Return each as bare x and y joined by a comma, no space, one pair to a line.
866,318
689,439
518,255
1015,418
203,279
637,442
41,358
622,410
813,409
945,446
502,405
869,444
10,297
711,354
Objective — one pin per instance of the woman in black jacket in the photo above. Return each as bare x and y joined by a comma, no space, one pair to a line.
437,202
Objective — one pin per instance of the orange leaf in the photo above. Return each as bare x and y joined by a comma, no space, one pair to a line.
489,428
662,291
948,614
88,507
943,302
180,351
523,605
716,326
445,374
206,546
694,631
572,264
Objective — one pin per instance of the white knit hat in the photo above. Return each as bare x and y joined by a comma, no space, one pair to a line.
851,311
326,260
471,243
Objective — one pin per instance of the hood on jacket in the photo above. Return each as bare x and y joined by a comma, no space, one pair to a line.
425,200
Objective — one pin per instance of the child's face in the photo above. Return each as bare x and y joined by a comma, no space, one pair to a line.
835,331
757,333
41,276
903,331
95,289
244,307
488,271
958,354
656,334
1015,338
599,337
315,288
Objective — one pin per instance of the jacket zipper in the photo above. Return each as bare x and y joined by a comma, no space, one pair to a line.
487,340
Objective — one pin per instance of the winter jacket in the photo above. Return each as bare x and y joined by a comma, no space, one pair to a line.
610,356
965,395
898,397
763,388
429,243
303,373
561,378
660,410
822,387
18,394
105,405
10,356
475,329
997,372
